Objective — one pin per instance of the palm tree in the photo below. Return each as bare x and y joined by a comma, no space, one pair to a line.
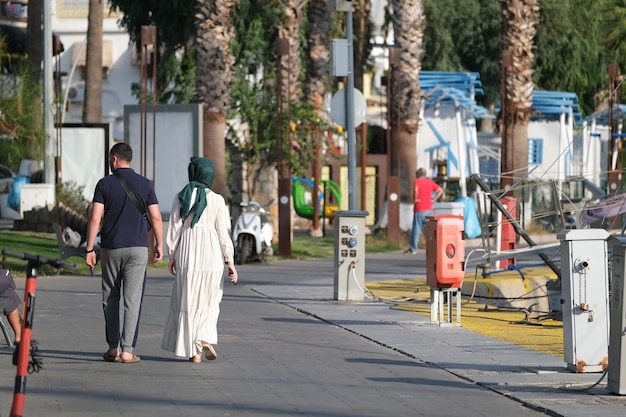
92,109
361,44
519,18
406,96
214,31
613,31
318,59
34,49
288,65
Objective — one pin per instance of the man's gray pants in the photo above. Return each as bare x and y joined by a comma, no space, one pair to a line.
123,277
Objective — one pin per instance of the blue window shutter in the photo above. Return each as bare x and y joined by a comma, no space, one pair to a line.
535,151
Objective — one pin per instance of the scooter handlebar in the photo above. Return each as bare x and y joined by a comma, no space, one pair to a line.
40,259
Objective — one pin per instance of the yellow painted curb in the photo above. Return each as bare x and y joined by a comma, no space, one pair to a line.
514,325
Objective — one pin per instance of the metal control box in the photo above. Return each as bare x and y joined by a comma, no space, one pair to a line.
339,57
585,298
349,282
617,361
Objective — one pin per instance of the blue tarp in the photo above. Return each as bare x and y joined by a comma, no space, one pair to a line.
470,217
14,195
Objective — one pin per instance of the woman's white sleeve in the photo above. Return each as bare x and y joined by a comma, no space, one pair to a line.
223,231
174,228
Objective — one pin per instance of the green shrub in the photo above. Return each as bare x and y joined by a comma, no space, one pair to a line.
70,195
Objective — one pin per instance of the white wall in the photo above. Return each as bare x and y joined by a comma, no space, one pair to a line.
555,155
459,132
592,161
116,87
84,157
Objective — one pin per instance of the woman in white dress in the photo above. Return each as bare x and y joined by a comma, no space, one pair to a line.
199,246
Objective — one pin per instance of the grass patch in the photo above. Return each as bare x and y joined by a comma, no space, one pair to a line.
42,244
45,244
307,247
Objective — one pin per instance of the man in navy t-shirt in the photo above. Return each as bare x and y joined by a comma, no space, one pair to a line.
123,249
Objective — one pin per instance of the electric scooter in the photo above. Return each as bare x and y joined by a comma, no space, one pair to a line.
253,233
26,357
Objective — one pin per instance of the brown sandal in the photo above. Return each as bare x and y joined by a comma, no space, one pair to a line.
110,358
209,352
133,359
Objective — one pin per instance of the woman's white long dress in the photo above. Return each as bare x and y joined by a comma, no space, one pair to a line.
200,254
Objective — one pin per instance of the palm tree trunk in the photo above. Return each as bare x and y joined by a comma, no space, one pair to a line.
519,18
288,67
362,46
289,64
318,60
318,54
92,108
406,96
214,31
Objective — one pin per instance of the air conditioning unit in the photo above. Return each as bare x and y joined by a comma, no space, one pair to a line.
76,93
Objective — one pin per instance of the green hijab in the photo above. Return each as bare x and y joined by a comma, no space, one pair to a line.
201,174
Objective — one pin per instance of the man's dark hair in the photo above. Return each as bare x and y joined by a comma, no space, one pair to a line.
122,151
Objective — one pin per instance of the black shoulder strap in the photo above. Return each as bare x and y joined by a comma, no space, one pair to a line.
131,194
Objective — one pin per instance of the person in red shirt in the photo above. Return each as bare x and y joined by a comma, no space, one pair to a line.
426,193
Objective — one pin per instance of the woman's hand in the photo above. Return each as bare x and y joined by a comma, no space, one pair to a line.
172,266
232,273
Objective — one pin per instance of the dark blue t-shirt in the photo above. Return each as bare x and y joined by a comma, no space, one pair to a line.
123,225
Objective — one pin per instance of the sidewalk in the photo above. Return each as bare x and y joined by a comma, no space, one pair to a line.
536,379
76,382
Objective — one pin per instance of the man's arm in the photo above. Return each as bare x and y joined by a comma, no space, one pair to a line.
416,192
438,194
97,210
157,228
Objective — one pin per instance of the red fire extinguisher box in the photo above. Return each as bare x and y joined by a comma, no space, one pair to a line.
445,251
508,236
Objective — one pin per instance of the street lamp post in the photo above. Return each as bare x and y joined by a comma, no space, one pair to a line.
343,66
352,187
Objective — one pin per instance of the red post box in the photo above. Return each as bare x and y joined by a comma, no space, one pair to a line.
508,236
445,251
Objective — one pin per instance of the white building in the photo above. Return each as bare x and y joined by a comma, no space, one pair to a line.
593,140
82,153
447,139
119,61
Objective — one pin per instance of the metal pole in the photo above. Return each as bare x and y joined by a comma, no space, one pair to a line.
142,99
284,177
324,212
393,181
317,173
48,95
153,32
364,166
506,163
352,187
